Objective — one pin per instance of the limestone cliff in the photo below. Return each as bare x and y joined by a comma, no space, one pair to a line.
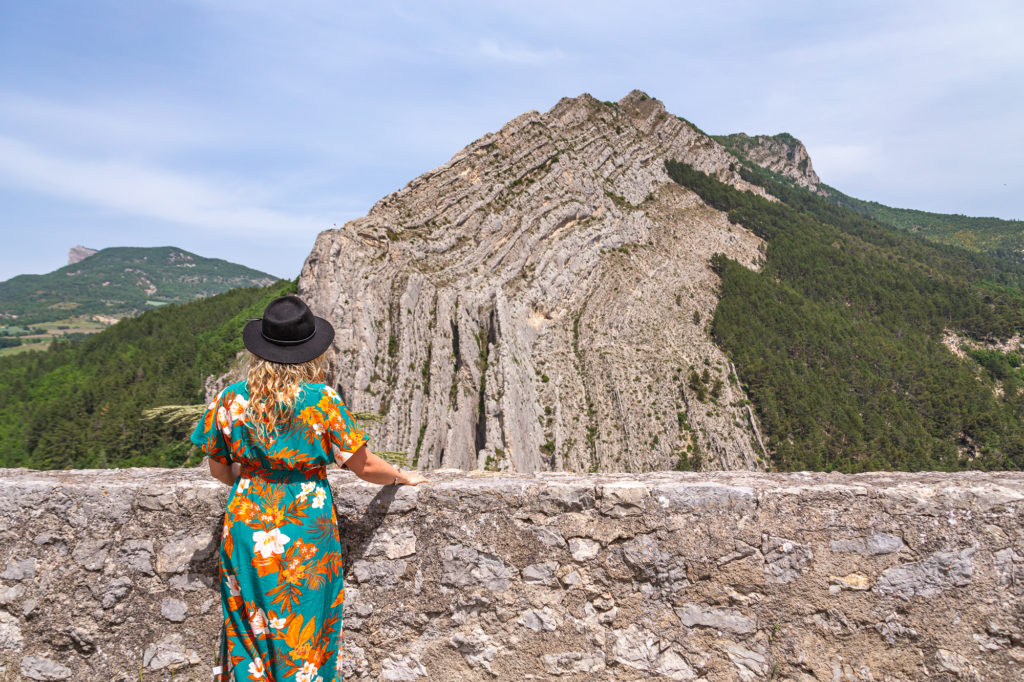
78,253
539,301
112,575
782,153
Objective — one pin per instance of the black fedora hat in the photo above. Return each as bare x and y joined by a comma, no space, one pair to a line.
288,332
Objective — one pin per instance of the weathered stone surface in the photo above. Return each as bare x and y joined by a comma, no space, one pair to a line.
559,497
783,154
379,572
872,544
175,555
542,573
583,548
941,571
402,668
10,632
169,652
727,620
173,610
19,569
466,566
539,619
91,554
574,662
393,544
9,595
643,650
740,576
623,498
750,665
39,668
784,560
137,555
536,302
476,648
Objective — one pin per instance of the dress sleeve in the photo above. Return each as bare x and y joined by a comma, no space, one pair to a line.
345,436
209,432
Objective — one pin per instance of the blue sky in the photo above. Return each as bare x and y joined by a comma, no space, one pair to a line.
239,130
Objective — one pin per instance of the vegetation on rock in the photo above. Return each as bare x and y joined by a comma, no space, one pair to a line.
839,337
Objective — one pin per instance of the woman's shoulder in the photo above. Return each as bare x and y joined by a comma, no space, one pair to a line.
229,392
316,390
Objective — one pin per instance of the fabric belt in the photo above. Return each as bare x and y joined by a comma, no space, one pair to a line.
282,475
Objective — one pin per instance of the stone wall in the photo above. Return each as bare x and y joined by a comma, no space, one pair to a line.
111,575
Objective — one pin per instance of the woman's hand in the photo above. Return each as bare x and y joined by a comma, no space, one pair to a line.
372,468
411,478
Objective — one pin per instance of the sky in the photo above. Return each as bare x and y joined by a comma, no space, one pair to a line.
240,129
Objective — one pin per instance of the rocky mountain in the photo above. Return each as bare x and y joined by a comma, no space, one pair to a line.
120,281
541,301
604,287
79,252
782,154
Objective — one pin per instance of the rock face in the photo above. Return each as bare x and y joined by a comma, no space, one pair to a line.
79,252
781,153
539,301
109,575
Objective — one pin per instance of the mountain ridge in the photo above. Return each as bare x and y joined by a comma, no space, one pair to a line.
505,256
543,300
120,281
787,156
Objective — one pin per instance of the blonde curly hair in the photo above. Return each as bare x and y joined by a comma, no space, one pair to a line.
274,389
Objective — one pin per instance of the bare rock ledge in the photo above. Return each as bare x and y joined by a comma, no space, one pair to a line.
112,575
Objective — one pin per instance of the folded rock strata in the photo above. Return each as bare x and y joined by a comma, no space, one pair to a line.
537,302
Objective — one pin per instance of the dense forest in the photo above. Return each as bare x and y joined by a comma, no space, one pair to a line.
80,404
837,338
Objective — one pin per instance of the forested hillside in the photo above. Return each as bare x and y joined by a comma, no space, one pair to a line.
121,281
79,404
838,337
1003,239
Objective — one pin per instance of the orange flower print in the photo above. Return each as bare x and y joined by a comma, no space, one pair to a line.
294,571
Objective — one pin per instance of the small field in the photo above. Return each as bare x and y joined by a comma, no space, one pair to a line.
38,336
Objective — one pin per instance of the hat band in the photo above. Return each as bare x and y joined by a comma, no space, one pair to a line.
289,343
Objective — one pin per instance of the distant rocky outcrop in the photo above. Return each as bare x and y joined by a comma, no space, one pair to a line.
112,575
782,153
542,301
77,253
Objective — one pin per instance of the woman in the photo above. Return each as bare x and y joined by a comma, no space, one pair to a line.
271,438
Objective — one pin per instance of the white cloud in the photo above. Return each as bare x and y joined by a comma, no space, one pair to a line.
517,54
140,190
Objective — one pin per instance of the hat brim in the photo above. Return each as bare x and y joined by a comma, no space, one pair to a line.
252,337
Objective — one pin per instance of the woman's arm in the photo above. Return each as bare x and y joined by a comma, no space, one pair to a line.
372,468
225,473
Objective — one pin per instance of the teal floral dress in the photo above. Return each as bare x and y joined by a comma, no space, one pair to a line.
280,557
